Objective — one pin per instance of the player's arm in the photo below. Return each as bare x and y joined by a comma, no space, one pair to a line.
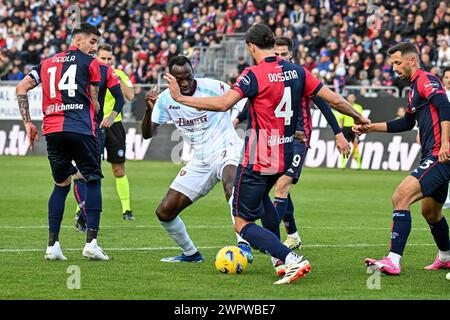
242,116
94,79
128,92
22,88
93,91
402,124
441,101
220,103
116,92
340,104
432,89
148,127
341,143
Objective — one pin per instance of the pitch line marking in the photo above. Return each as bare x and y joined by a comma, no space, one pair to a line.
349,245
205,227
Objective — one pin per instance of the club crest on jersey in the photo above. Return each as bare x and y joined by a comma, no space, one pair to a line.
245,79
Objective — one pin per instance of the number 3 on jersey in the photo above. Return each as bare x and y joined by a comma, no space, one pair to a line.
67,81
285,101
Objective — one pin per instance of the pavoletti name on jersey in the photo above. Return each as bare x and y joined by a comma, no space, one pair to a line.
64,59
277,140
63,107
182,122
283,76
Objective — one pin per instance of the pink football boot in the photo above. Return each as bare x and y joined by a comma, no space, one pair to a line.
385,265
438,264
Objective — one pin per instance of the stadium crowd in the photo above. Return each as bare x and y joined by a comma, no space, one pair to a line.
339,41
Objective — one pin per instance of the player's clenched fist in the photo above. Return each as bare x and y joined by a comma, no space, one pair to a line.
151,96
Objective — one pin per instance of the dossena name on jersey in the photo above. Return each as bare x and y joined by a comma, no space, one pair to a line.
283,76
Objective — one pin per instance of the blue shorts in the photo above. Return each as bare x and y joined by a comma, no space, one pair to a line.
250,188
63,147
298,159
433,177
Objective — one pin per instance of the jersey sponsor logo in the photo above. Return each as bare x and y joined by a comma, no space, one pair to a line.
276,140
63,107
63,59
183,122
245,79
431,84
283,76
171,107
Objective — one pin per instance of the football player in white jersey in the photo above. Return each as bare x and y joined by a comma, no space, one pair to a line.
216,151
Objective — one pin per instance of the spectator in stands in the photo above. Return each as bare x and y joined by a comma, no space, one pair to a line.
242,64
444,54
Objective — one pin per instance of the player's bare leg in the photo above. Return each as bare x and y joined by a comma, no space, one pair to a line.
432,212
408,192
123,189
228,175
56,206
171,206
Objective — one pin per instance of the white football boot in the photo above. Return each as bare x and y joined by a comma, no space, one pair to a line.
94,252
54,252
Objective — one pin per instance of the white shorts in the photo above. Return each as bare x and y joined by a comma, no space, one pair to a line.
197,178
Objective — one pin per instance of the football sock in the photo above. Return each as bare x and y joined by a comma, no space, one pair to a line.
291,258
270,220
289,219
123,190
295,235
343,162
56,204
358,159
401,228
440,234
177,231
91,234
395,258
79,191
280,205
265,241
93,204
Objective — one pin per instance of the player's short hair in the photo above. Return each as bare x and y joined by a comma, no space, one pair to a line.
86,28
404,48
179,61
105,47
261,36
284,41
445,70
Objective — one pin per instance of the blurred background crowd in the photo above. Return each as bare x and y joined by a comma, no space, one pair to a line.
339,41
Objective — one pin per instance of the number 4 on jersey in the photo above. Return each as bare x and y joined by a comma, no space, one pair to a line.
67,81
285,101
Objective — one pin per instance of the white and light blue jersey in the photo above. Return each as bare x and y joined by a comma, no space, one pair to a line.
208,132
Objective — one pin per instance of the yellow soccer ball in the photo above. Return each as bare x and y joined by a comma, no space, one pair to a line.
231,260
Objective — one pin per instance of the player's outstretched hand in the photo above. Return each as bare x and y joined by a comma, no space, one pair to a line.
32,134
151,96
363,120
342,145
173,86
444,153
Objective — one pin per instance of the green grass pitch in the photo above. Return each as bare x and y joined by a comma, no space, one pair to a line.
343,217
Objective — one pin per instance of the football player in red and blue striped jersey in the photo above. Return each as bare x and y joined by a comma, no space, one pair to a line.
278,92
